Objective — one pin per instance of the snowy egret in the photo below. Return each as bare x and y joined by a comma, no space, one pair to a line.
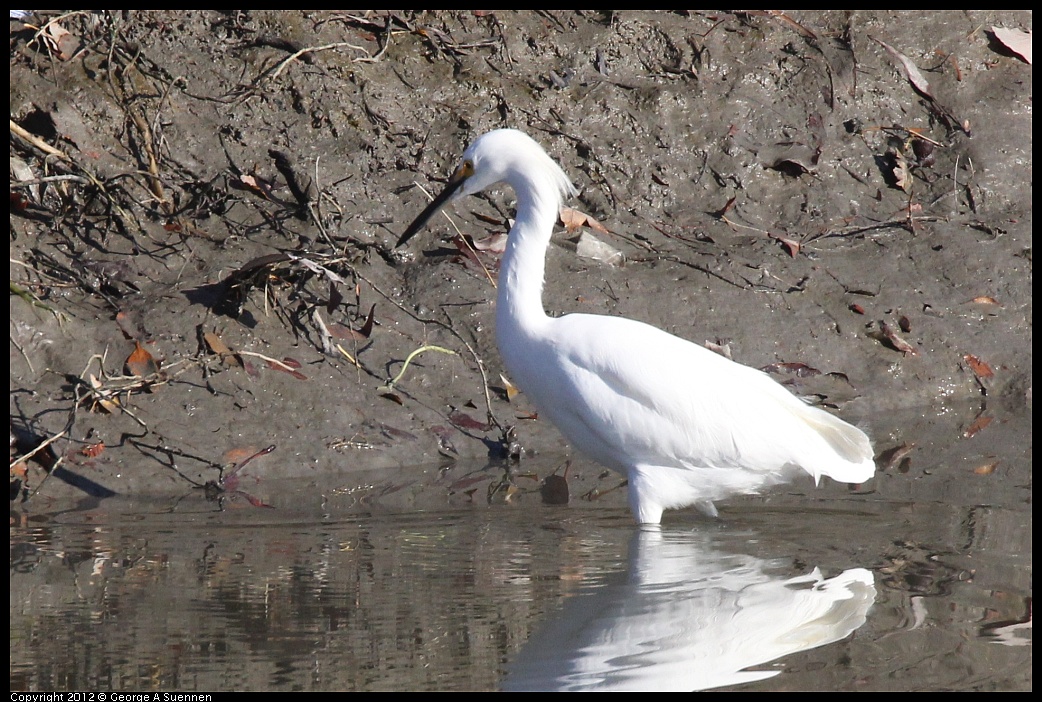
684,424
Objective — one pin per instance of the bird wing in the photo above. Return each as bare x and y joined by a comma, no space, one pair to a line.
632,391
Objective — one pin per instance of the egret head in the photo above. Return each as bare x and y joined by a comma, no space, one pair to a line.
500,156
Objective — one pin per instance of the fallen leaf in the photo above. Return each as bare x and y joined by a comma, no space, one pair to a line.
791,158
235,456
573,219
985,300
393,396
445,445
979,367
722,349
976,427
854,307
236,459
287,365
335,298
140,362
395,433
102,397
895,458
554,490
791,245
215,343
249,269
986,468
127,327
800,370
902,175
367,328
19,203
909,69
896,341
792,23
339,331
726,208
1016,40
510,388
497,243
924,152
465,421
217,346
258,185
93,450
61,41
468,253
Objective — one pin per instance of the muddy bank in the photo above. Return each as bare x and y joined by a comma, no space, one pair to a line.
203,220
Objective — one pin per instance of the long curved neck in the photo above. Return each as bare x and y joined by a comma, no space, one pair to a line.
519,305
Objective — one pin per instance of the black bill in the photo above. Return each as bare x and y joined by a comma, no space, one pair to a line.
454,184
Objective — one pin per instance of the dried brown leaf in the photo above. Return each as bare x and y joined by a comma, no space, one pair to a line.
554,490
510,389
976,427
61,41
909,69
287,365
140,362
239,455
93,450
101,396
497,243
791,158
895,458
722,349
465,421
979,367
258,185
800,370
896,341
367,328
986,468
1016,40
902,175
335,298
445,445
791,245
19,203
393,397
726,208
127,327
216,344
573,219
339,331
464,248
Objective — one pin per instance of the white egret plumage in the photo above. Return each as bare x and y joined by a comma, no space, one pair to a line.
684,424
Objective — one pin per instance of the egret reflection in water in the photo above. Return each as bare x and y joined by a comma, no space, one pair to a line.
689,617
